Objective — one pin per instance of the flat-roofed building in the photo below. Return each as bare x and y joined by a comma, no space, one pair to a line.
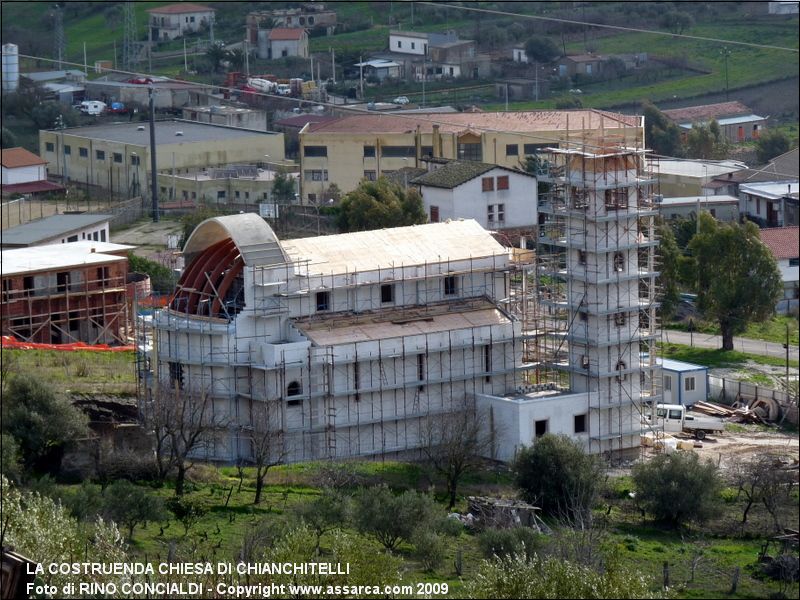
689,177
68,293
346,150
722,208
117,156
58,229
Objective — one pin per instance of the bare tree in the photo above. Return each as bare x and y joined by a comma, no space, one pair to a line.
453,444
267,442
762,480
182,422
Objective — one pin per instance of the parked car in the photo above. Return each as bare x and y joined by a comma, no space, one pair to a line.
401,100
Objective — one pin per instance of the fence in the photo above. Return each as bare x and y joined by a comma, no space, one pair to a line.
125,213
727,391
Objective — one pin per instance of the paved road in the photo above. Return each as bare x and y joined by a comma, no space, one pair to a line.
703,340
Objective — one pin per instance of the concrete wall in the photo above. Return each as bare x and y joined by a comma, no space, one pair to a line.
511,422
469,201
728,212
291,47
24,174
124,174
402,44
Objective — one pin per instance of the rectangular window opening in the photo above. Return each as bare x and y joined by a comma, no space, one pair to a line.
323,301
450,286
387,293
540,428
580,423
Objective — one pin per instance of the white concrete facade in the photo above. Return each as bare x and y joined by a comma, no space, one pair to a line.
408,43
513,207
357,349
170,25
11,176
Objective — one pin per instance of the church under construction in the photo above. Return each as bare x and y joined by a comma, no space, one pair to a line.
358,340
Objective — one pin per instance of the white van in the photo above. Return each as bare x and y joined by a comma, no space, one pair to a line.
92,107
284,89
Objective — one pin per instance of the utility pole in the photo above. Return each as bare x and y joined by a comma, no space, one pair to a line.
153,173
333,65
361,74
726,53
786,345
59,41
130,57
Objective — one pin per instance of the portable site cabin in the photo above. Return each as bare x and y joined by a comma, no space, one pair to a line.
684,383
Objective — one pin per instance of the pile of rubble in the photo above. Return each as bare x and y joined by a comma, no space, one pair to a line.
744,410
501,513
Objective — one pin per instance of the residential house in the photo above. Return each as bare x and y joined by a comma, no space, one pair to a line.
498,198
737,122
173,20
116,156
679,177
309,16
23,172
518,54
75,292
281,42
770,204
783,7
784,243
380,68
436,55
347,149
781,168
590,65
684,383
58,229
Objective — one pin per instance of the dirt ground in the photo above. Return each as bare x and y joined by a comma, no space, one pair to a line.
151,239
728,448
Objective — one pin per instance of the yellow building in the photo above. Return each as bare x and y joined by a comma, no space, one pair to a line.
117,156
346,150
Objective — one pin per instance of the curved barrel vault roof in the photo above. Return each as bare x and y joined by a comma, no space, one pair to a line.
255,240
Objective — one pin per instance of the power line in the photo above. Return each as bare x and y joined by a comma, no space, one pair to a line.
432,118
601,25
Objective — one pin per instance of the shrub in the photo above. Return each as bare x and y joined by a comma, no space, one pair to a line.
556,475
506,543
131,505
677,487
429,548
389,518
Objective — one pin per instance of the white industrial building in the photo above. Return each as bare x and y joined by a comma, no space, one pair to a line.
357,341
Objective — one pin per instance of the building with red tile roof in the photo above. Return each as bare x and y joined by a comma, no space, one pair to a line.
738,122
173,20
24,172
784,243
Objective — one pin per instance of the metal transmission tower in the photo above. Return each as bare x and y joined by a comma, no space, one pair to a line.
59,42
130,47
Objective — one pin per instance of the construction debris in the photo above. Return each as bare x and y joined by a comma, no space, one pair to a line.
744,410
503,513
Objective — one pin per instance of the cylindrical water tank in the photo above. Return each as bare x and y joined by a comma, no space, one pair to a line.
10,68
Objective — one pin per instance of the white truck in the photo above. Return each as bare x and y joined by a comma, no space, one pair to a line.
675,417
92,107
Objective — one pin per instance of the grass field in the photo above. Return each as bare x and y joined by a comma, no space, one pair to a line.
111,373
720,358
630,541
773,330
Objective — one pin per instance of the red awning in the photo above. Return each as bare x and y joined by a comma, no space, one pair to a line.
32,187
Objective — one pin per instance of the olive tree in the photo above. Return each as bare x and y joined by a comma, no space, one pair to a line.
678,487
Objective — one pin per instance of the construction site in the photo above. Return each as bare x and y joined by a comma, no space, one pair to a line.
67,293
353,344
